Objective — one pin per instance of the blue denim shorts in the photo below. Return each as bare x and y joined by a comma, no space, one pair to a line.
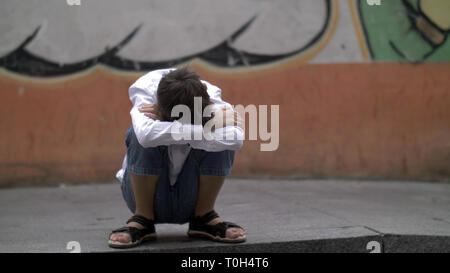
172,204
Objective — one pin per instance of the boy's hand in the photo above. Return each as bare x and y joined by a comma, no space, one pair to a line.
151,111
227,117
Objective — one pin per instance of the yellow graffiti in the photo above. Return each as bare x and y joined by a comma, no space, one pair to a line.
438,11
358,30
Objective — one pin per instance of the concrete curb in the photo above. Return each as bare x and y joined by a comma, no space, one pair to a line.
389,243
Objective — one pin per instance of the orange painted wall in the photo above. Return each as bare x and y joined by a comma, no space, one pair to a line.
371,121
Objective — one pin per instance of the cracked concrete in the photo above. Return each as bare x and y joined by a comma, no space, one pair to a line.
279,216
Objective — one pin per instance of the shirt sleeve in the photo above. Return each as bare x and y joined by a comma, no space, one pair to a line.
226,138
152,133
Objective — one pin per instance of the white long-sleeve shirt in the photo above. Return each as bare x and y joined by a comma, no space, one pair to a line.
152,133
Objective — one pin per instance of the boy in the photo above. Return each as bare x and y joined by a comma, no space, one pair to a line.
170,179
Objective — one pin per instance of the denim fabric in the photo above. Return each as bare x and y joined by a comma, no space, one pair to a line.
172,204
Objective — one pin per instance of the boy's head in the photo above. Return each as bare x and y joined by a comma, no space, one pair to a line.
180,86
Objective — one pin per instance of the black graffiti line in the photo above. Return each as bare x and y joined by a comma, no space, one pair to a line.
219,54
22,61
413,16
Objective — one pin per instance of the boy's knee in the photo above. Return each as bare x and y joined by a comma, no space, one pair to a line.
217,163
143,161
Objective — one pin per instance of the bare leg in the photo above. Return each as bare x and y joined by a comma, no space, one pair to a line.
144,193
209,188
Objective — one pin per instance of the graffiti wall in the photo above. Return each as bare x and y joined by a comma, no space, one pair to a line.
407,30
363,89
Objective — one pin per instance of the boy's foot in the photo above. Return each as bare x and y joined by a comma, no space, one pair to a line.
137,230
212,227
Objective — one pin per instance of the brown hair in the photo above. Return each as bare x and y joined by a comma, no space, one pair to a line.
180,86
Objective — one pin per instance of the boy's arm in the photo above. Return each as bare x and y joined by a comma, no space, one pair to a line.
150,132
164,133
220,141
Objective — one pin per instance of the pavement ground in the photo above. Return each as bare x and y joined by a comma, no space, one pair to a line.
278,215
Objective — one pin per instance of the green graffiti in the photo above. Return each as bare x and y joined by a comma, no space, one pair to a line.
407,30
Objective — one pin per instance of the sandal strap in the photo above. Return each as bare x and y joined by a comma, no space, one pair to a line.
233,225
207,217
200,224
134,232
145,222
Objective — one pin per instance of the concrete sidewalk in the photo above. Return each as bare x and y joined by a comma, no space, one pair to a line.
279,216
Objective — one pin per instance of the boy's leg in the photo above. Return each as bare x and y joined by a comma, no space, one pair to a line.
144,192
213,167
208,190
143,169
